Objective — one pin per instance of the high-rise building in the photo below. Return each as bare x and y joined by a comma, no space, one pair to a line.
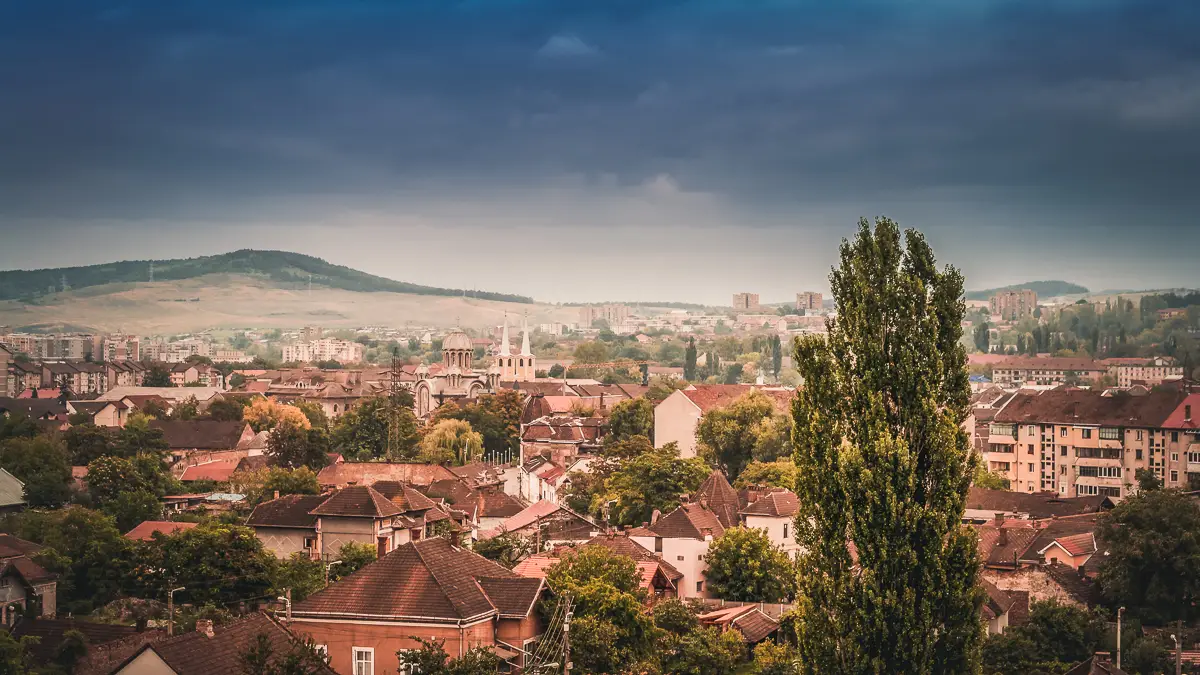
1012,305
613,315
810,301
745,301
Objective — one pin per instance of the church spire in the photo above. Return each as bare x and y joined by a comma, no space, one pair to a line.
505,350
525,351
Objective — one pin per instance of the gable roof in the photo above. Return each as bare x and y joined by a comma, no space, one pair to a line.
201,434
1079,406
428,580
513,598
218,470
287,511
719,497
709,396
778,504
369,473
194,653
358,501
50,634
404,496
1178,419
146,530
1036,505
532,514
689,521
12,490
749,620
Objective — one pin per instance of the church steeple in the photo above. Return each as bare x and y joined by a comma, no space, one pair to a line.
505,349
525,351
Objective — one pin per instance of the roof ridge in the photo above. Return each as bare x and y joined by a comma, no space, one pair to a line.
459,607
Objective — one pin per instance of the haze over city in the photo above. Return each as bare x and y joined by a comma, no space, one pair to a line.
495,145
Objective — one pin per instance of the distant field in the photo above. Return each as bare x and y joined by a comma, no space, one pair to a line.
233,301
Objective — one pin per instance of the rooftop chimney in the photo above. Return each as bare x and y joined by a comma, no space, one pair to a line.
655,516
1000,519
277,494
1187,413
204,626
1002,540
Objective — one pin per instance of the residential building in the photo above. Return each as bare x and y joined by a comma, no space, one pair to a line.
1172,313
775,514
196,437
26,588
658,577
1012,305
745,302
7,384
202,374
102,413
231,356
1047,370
809,301
429,588
119,347
682,538
612,314
286,525
561,438
1149,372
325,349
1077,442
677,416
547,524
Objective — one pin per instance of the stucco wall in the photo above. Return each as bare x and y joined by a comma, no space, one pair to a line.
675,420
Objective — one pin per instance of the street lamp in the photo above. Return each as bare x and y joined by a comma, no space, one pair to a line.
288,602
327,566
171,609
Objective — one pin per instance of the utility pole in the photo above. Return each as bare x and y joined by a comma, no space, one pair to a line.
327,566
567,639
286,599
1178,648
171,610
1120,611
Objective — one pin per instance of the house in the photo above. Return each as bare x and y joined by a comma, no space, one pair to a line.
146,530
175,395
983,504
217,471
682,538
429,588
25,586
562,437
1011,544
718,496
12,492
101,413
1098,664
754,624
542,479
774,513
199,441
658,578
998,607
357,514
369,473
209,650
547,524
40,409
202,374
286,525
50,634
677,416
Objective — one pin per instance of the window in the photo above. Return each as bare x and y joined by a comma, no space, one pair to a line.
1174,436
364,660
1100,471
679,558
1062,431
699,586
658,544
785,530
1174,456
1031,466
1087,433
310,542
1139,453
1063,452
1030,451
1110,434
1031,430
1174,476
1139,434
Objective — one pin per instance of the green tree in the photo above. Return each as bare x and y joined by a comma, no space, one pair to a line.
657,479
689,361
505,548
354,557
983,336
227,409
300,658
1055,636
744,565
776,356
86,442
291,446
773,439
496,417
314,413
591,352
986,479
15,658
216,563
187,409
730,434
378,427
451,441
675,616
631,417
432,659
41,464
781,473
300,573
556,371
157,376
704,651
1153,561
137,437
109,477
884,465
261,485
131,508
771,658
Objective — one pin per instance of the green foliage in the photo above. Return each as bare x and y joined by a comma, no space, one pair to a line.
74,646
675,616
506,549
1056,636
86,442
291,446
744,566
314,413
556,371
261,485
129,509
216,563
300,573
228,408
156,376
354,557
771,658
377,428
884,464
1147,480
110,476
983,336
187,409
689,361
780,473
432,659
451,441
591,352
1153,561
15,658
301,658
732,433
497,417
41,464
704,651
17,426
986,479
631,417
654,480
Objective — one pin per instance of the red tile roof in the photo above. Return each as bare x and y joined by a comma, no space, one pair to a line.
403,495
1049,363
219,470
1075,544
287,511
200,434
709,396
369,473
358,501
1178,419
147,529
689,521
430,580
1078,406
718,496
781,504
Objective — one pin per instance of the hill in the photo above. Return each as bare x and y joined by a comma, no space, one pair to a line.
1044,289
283,269
228,301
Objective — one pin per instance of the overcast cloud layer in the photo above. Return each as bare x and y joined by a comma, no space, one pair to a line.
686,150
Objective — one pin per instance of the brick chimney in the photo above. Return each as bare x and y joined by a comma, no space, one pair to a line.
655,516
1000,519
1002,540
204,626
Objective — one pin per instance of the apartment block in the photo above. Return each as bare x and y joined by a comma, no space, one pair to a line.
1148,372
1047,370
613,315
1079,442
1012,305
327,349
745,301
809,301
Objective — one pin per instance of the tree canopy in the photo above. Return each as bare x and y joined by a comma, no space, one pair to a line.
744,565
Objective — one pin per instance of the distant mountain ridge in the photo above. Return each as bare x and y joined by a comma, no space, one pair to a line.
1044,289
282,267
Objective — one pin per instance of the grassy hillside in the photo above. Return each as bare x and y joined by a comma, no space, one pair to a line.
1044,289
288,270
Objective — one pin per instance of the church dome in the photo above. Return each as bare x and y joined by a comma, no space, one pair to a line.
457,340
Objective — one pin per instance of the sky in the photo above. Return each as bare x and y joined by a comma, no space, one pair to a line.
584,150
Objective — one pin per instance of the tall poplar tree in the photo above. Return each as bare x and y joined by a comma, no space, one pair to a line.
689,361
889,580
